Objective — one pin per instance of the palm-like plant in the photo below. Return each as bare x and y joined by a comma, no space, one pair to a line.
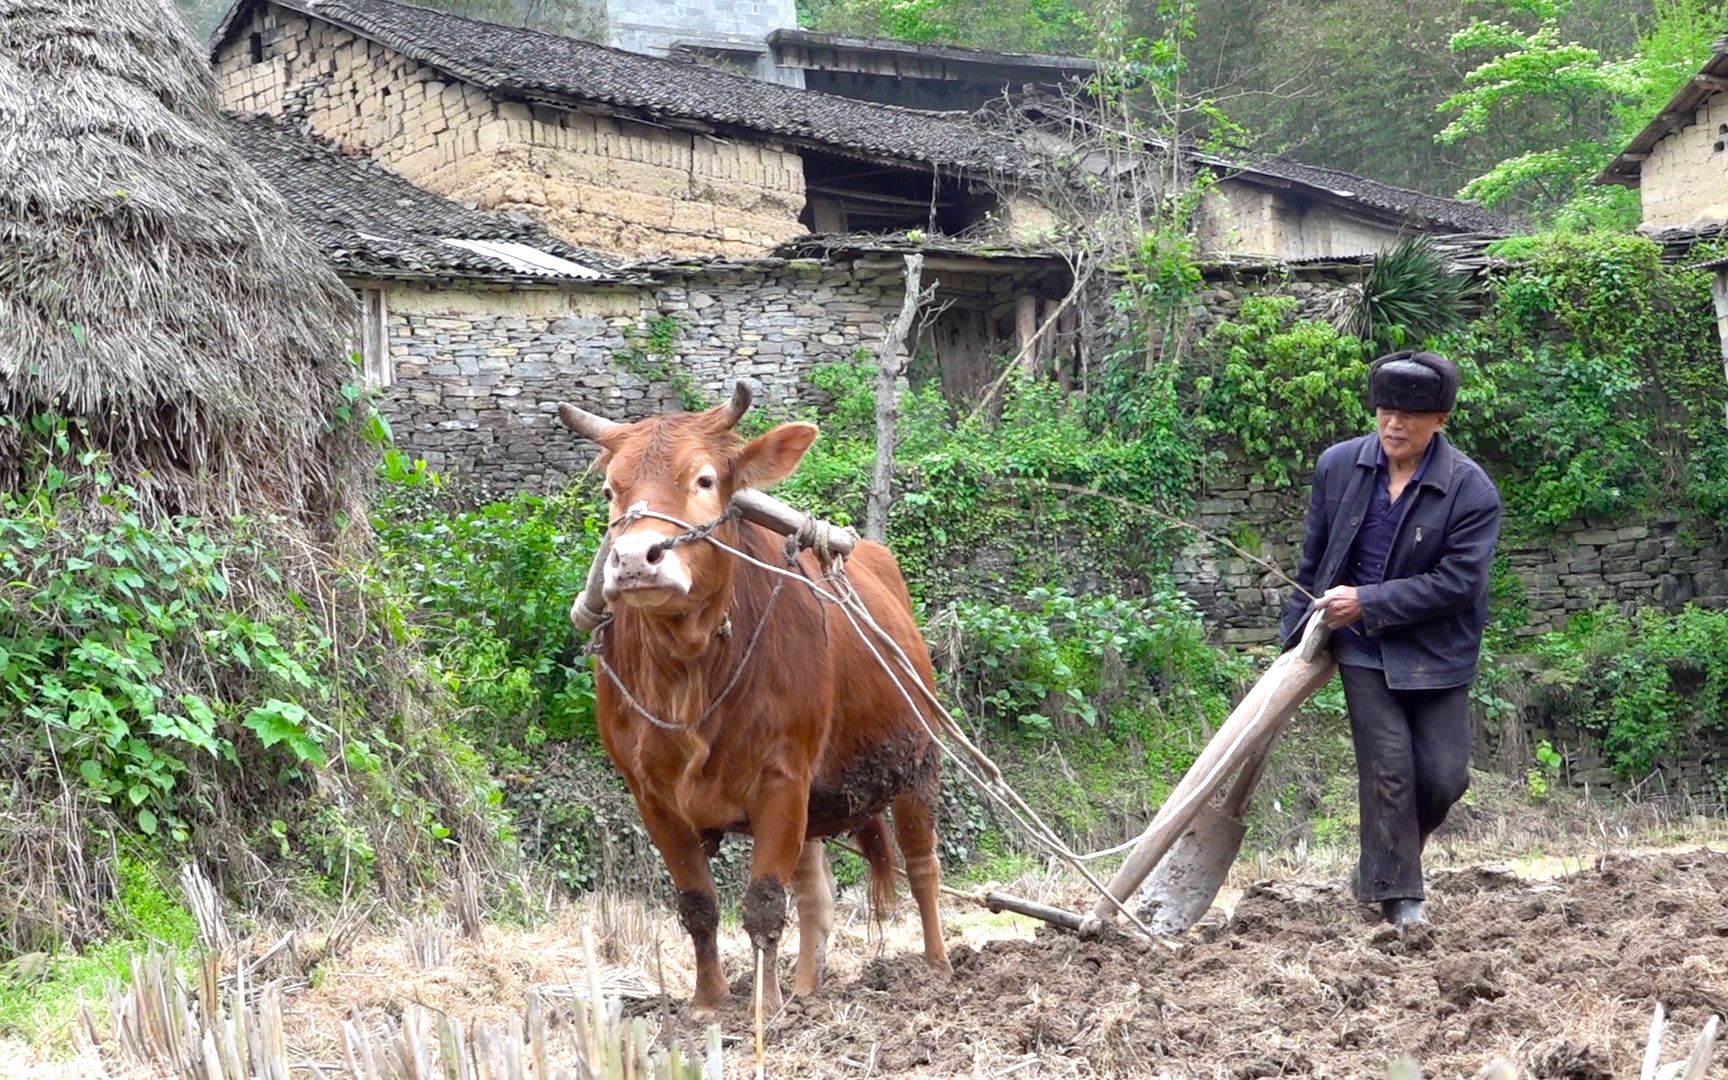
1408,296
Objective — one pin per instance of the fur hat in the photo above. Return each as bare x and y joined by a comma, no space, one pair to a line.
1411,381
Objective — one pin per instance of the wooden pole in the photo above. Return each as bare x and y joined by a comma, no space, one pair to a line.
998,902
1026,330
890,367
1719,290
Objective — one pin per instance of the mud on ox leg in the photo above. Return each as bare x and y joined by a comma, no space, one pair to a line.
686,860
778,817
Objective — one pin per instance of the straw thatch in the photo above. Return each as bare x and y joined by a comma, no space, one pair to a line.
152,288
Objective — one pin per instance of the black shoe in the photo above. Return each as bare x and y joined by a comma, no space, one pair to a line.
1402,913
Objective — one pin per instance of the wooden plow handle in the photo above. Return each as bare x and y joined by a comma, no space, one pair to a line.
1240,745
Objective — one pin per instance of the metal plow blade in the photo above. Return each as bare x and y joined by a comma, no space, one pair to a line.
1182,888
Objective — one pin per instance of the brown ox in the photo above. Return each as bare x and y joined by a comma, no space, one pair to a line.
800,736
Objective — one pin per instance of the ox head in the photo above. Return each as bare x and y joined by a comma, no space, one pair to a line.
686,466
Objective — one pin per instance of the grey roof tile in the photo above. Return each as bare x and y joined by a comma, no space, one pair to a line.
370,222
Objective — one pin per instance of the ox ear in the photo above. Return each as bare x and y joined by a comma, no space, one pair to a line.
771,458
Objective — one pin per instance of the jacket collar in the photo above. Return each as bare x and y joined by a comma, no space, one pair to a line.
1438,474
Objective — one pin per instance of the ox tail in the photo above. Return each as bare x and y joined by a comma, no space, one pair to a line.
872,839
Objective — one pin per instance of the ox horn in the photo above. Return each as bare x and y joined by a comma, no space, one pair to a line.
734,410
585,423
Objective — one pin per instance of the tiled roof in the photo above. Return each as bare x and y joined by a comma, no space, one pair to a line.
521,63
1437,211
369,222
1065,65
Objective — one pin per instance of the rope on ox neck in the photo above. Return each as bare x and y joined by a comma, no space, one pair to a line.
689,535
992,783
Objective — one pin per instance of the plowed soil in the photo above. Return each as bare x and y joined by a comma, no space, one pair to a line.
1556,978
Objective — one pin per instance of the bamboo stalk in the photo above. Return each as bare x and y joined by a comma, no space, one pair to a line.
1699,1063
1653,1048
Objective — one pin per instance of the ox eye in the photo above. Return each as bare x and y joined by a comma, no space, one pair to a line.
705,482
606,492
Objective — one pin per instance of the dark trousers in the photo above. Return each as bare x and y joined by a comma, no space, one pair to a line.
1412,765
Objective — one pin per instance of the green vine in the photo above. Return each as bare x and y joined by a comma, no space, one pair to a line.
651,354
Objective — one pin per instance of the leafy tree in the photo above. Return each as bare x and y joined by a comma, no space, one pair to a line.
1592,101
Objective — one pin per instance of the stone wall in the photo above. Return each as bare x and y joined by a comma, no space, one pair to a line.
1684,182
1669,561
595,181
479,373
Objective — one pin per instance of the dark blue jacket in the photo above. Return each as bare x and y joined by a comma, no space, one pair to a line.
1429,612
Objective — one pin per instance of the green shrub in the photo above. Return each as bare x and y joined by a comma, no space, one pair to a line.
192,682
1279,390
1648,686
489,588
1056,661
1594,383
979,492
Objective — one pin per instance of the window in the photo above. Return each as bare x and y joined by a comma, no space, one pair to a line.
375,339
256,45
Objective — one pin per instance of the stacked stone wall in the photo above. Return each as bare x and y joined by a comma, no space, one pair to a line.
594,180
478,374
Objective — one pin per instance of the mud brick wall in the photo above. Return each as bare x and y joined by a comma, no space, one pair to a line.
479,373
595,181
1681,183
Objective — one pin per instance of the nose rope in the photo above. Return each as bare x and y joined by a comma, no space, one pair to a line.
691,533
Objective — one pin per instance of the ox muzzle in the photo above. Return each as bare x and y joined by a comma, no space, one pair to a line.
643,570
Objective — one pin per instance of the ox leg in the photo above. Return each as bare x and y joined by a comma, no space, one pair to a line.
777,819
698,907
813,888
915,828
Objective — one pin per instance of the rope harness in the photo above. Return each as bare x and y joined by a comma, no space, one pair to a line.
691,534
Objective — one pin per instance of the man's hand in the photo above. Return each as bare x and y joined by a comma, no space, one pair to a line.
1339,606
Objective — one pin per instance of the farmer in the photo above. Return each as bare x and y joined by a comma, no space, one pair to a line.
1401,532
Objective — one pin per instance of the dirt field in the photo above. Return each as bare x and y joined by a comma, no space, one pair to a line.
1557,976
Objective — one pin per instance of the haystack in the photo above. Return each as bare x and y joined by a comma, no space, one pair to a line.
152,288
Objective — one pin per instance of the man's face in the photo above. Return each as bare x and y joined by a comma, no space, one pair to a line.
1405,435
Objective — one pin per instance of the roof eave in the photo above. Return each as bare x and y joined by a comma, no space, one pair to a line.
1349,200
1710,79
219,35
